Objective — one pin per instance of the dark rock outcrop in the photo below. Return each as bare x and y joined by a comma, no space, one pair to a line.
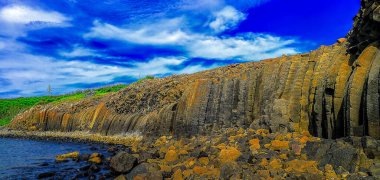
366,27
122,162
327,92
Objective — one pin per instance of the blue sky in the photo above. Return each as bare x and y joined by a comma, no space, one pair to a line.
78,44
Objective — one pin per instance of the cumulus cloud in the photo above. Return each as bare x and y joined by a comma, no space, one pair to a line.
155,34
20,14
226,18
30,74
112,47
244,47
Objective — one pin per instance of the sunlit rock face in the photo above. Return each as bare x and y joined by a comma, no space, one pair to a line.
331,92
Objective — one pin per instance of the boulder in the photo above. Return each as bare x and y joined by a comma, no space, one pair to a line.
148,171
122,162
64,157
333,153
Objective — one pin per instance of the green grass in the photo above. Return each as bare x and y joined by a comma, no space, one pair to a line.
11,107
145,78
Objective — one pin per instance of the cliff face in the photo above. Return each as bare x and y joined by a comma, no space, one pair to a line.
327,92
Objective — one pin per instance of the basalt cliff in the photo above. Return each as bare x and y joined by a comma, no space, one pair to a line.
331,92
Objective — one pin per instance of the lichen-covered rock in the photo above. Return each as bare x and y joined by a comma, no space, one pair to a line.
64,157
229,154
171,156
301,166
327,92
279,145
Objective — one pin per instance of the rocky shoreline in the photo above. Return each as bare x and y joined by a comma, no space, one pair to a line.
231,154
77,137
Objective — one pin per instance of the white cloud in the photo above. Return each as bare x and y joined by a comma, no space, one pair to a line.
226,18
154,34
249,47
20,14
246,47
43,71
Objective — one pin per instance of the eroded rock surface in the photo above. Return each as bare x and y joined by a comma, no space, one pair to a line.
326,92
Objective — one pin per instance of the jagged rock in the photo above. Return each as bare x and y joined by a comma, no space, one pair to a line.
366,27
333,153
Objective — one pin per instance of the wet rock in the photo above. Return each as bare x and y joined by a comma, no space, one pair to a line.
64,157
122,162
83,157
94,168
95,158
46,175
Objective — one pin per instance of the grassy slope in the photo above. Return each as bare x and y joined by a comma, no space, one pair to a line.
11,107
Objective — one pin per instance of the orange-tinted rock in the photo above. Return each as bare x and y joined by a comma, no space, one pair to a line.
264,162
279,145
275,164
283,156
96,160
200,170
301,166
229,154
171,156
329,172
255,144
165,168
178,175
186,173
263,173
341,40
204,161
63,157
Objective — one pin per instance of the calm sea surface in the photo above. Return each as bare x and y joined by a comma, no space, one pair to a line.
26,159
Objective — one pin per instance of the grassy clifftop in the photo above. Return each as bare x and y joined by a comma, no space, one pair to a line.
11,107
